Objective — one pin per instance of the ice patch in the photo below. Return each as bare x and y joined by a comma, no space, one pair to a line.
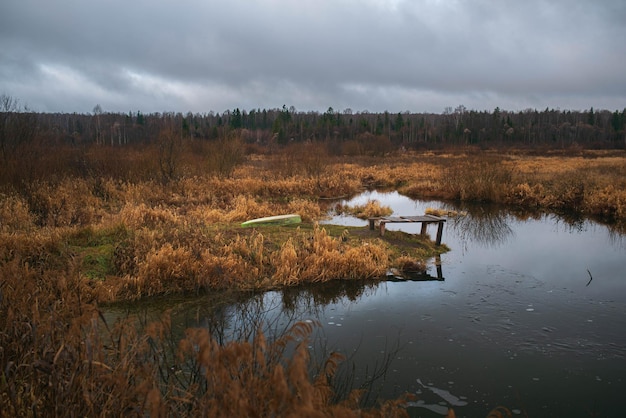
444,394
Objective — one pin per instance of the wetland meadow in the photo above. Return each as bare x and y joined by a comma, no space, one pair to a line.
123,293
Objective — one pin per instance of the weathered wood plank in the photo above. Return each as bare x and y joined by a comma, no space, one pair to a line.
423,219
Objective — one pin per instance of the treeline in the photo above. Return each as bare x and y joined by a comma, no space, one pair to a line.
360,132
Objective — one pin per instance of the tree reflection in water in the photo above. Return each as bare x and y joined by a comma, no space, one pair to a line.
234,317
312,301
617,235
485,225
489,225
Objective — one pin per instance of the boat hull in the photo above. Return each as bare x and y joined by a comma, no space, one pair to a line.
273,220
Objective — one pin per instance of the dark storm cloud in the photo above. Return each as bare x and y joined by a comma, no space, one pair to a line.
420,55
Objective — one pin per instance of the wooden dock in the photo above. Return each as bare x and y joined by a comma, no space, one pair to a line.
424,220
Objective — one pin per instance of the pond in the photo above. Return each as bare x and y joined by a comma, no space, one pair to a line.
531,315
528,312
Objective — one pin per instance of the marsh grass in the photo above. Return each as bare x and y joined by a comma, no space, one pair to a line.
103,226
372,208
71,362
183,235
444,212
594,187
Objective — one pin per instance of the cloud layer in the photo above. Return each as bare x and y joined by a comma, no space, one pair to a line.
419,55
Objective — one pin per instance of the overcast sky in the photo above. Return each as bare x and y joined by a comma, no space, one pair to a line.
376,55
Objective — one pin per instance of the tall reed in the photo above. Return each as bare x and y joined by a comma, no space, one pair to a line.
60,357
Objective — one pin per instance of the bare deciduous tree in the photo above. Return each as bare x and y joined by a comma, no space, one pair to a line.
169,152
17,126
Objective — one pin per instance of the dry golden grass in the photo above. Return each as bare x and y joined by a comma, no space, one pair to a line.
74,241
372,208
320,257
183,235
192,260
443,212
590,186
593,186
15,214
61,358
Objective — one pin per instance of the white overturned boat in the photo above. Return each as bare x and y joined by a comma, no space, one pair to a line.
274,220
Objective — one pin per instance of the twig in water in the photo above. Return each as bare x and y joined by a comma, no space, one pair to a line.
590,277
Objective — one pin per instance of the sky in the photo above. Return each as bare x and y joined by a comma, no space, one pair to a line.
419,56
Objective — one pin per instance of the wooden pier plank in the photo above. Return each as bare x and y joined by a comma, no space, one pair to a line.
423,219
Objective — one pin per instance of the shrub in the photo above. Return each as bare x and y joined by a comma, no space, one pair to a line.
225,155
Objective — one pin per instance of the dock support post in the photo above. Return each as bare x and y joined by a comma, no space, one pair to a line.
439,233
382,228
423,230
438,267
372,221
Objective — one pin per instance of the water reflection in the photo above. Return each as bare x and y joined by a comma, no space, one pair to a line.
617,236
477,224
240,316
485,225
616,232
394,275
515,321
311,297
237,316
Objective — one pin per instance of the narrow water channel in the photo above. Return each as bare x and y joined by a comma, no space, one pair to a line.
530,313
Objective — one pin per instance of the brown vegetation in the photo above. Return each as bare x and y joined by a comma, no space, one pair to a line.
69,362
589,184
96,224
370,209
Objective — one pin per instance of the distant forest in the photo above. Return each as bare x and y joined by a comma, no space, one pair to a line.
351,132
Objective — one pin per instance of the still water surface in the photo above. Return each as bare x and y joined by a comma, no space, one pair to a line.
517,320
530,313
